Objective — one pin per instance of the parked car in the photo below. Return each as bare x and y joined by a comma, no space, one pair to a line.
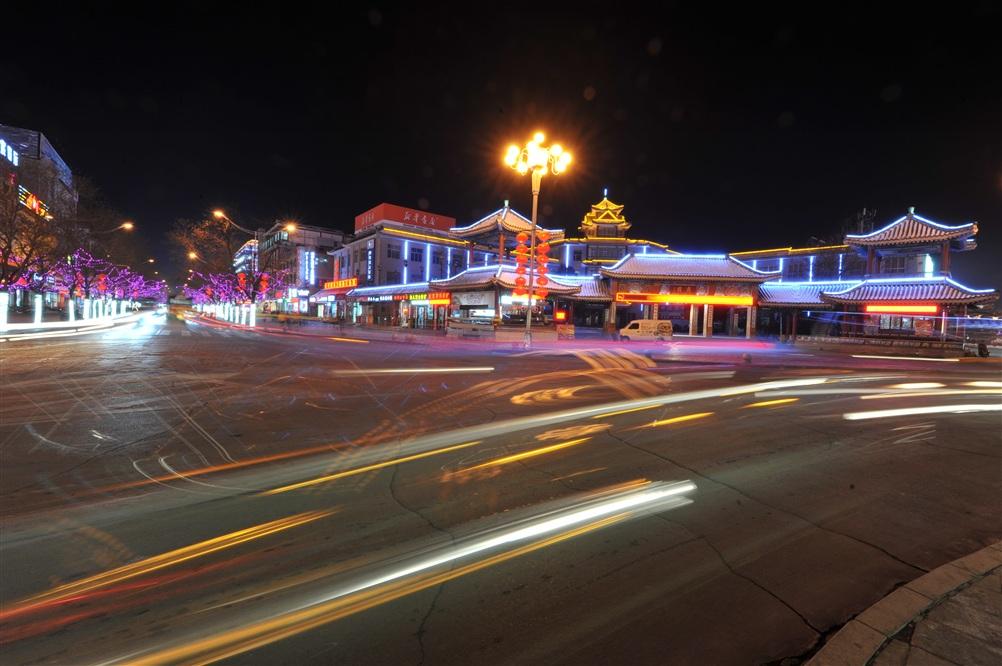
646,329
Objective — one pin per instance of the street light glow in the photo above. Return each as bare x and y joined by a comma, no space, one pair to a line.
538,159
218,214
290,227
128,226
192,255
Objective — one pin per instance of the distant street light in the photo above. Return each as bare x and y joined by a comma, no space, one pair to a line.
538,159
192,256
150,260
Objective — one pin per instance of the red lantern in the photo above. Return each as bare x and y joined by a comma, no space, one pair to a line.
542,281
542,269
521,259
543,248
522,248
522,237
520,269
543,235
520,281
541,293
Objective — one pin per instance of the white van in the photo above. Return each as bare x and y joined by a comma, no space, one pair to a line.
646,329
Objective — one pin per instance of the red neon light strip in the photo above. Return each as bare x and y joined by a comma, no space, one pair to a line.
902,309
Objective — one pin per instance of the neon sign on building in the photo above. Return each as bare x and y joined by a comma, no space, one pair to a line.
32,203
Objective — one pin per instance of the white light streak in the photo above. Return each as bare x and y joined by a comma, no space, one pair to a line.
915,411
907,358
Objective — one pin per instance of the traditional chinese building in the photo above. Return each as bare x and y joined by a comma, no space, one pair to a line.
893,281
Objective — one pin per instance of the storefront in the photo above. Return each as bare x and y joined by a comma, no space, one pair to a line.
331,302
404,306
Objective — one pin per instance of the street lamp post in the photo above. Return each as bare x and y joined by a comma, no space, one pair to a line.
537,159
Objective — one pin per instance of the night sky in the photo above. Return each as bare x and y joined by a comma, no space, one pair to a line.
718,130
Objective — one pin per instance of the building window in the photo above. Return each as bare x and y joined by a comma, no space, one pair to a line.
892,264
578,255
768,265
392,251
416,254
392,277
796,269
438,258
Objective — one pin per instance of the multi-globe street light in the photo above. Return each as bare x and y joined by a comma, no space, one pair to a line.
536,159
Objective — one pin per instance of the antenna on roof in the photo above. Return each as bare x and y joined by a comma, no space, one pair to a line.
505,203
605,192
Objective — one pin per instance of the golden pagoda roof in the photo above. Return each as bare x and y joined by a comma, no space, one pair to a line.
604,212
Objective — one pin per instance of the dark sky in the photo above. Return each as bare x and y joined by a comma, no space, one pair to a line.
718,130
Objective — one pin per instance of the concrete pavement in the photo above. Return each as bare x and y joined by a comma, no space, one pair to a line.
951,615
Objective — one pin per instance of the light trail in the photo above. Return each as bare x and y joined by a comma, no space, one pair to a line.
367,468
80,588
771,403
358,340
676,419
985,384
914,411
523,456
411,371
625,411
918,394
907,358
523,537
918,385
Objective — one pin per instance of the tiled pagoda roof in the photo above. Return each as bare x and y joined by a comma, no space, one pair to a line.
942,289
685,267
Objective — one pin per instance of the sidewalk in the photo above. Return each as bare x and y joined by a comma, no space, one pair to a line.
951,615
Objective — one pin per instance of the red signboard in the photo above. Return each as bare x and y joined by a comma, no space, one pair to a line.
385,212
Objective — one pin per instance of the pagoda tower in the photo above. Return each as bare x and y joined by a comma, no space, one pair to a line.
605,220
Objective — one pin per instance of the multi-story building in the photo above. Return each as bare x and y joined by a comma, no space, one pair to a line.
43,179
295,257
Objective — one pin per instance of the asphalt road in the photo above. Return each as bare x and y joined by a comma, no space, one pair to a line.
179,492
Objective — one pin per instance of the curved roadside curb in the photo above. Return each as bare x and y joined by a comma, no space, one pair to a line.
863,638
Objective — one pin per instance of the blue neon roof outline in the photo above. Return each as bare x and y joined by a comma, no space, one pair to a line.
939,279
905,217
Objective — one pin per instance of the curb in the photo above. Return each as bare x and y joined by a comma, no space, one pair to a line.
863,637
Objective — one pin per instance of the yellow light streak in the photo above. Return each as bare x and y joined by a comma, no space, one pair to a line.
170,558
363,342
625,411
367,468
527,454
918,411
678,419
985,384
770,403
917,385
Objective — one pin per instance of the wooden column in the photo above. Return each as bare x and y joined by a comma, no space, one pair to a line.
793,326
707,321
501,247
693,319
870,256
944,261
610,324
